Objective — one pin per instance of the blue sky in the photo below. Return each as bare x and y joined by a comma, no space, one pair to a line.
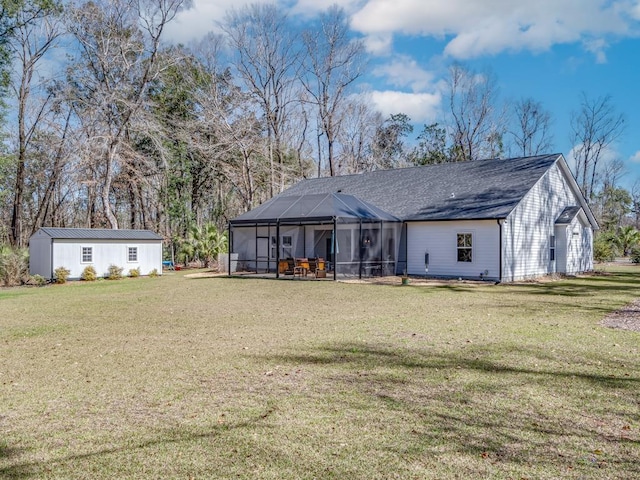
550,50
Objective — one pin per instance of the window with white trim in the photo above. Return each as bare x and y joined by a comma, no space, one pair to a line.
132,254
552,247
87,255
465,247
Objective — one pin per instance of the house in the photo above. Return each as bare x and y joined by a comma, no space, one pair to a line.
77,248
501,220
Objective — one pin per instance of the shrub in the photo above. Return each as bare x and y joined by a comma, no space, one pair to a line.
14,266
603,249
635,255
61,274
153,273
89,274
37,280
115,272
134,272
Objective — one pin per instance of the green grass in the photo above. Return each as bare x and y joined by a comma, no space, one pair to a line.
174,377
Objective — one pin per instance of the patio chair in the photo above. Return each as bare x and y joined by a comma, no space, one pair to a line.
301,268
321,271
313,266
291,267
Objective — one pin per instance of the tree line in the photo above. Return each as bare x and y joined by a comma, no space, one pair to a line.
105,124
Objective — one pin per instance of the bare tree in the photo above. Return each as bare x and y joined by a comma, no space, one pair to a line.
595,127
268,60
119,42
333,62
532,128
477,125
356,137
35,33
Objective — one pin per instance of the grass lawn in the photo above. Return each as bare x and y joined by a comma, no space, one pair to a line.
175,377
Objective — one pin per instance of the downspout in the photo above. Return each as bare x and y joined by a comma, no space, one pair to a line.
380,249
230,244
406,248
335,253
255,251
278,248
500,252
51,261
360,249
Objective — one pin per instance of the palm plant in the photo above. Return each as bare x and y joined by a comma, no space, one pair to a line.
206,242
626,239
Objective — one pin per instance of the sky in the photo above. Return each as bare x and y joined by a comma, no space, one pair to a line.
550,50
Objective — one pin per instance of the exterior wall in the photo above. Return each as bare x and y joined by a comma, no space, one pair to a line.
439,240
68,254
40,255
527,230
579,244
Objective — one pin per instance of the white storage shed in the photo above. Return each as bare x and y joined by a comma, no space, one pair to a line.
77,248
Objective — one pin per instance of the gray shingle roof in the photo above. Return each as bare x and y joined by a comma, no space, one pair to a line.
99,234
314,207
567,215
483,189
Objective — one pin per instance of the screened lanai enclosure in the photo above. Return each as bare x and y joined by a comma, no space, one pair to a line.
353,238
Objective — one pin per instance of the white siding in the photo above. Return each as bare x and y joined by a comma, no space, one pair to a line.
578,247
439,240
528,229
68,254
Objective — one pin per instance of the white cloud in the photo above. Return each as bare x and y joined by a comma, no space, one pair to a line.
635,158
311,7
480,27
404,71
194,23
378,44
420,107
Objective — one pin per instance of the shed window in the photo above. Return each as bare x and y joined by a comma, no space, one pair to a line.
465,247
132,254
87,254
552,247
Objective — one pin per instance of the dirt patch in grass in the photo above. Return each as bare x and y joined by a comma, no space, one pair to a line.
627,318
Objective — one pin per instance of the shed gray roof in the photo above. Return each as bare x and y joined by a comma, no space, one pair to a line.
482,189
313,208
567,215
99,234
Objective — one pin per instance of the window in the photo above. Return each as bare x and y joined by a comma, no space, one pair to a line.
132,254
286,241
552,247
87,254
465,247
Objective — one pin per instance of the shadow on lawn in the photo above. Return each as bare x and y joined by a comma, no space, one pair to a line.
362,356
36,469
505,414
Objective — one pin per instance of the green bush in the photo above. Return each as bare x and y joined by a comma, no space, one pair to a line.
115,272
635,255
37,280
134,272
154,273
89,274
14,266
603,248
61,274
